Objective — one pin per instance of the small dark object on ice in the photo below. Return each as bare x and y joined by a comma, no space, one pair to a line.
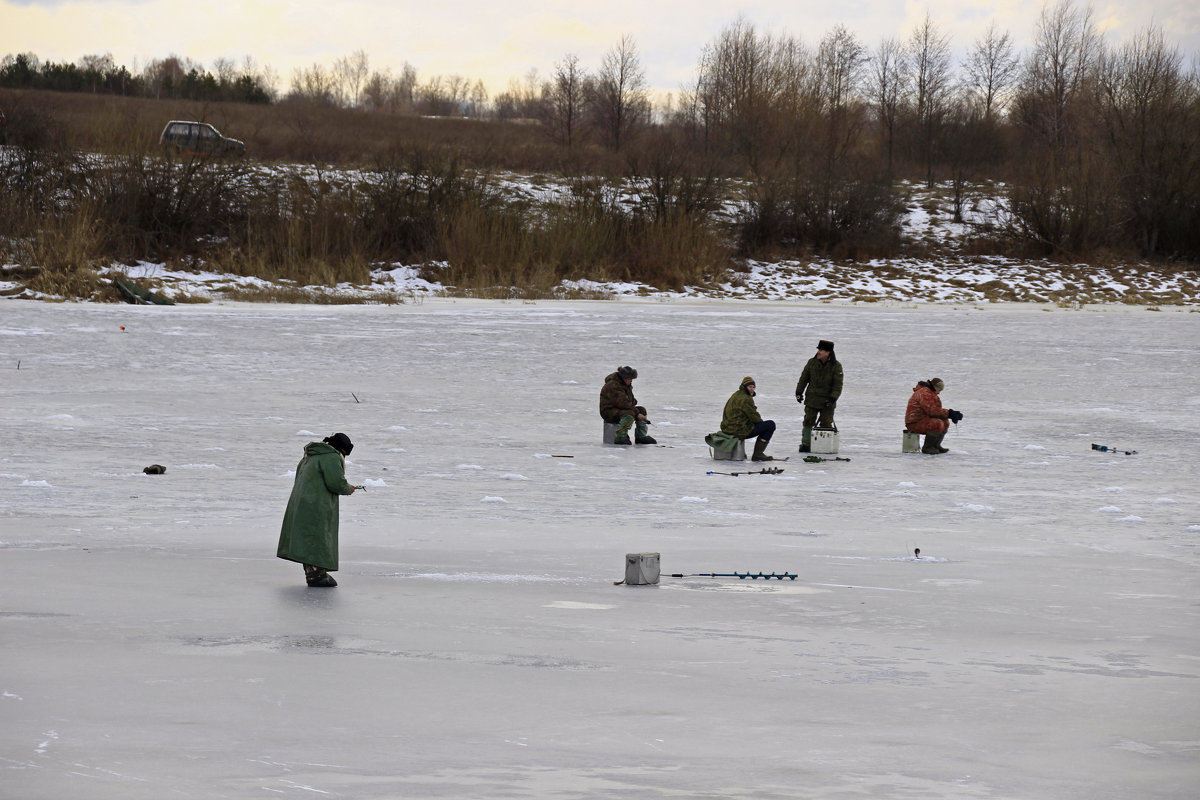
1103,448
917,553
818,459
155,469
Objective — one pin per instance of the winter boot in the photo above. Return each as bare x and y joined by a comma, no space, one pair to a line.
806,440
622,435
933,444
640,436
317,577
760,447
639,439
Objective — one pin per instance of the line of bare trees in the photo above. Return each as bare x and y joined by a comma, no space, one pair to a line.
1098,145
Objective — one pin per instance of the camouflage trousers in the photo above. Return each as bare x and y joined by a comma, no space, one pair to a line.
629,421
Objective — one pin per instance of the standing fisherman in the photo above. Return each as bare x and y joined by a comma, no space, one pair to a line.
818,390
310,524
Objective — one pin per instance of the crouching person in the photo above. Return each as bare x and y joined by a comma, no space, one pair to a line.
926,415
310,523
619,407
741,419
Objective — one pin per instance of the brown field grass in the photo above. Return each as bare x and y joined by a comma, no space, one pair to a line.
87,187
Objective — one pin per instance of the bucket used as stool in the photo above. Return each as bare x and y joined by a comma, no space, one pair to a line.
738,453
911,442
641,568
610,433
824,440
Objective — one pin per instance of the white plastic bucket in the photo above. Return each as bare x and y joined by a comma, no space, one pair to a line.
824,441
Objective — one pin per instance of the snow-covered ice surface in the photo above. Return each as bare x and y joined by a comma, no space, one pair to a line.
1045,644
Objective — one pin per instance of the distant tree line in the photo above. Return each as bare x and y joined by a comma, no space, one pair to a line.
1093,145
171,78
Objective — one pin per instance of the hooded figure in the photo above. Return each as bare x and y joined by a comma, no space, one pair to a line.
310,523
818,389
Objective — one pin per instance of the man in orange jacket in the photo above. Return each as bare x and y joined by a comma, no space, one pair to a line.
926,415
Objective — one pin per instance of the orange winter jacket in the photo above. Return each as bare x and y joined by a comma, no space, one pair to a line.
925,413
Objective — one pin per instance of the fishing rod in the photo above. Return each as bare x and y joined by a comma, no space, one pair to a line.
740,575
763,471
818,459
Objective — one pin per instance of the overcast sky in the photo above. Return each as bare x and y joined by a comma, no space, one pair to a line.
497,42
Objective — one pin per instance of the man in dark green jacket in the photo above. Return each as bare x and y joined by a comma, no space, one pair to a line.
310,524
619,406
818,389
741,419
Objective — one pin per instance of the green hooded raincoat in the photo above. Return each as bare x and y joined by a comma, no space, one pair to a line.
310,524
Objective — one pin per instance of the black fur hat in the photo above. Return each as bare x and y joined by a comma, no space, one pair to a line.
340,442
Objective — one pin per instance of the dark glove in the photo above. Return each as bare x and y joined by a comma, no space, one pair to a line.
955,416
829,405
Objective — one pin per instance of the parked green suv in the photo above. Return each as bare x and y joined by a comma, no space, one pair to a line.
198,138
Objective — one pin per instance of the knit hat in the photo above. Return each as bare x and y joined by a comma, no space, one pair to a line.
627,372
937,384
340,442
746,381
826,345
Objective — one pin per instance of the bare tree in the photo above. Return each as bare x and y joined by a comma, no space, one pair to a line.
477,99
841,58
991,69
887,88
619,99
748,94
1057,71
98,67
523,100
226,70
313,85
351,73
1149,109
929,56
564,103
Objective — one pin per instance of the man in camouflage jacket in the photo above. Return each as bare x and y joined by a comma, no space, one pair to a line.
619,406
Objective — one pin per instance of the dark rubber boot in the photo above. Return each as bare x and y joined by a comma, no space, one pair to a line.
760,450
321,580
645,440
933,444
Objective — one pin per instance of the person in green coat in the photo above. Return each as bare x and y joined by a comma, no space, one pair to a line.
818,390
310,524
741,419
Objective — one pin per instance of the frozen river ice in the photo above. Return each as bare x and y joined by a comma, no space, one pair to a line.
1045,645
